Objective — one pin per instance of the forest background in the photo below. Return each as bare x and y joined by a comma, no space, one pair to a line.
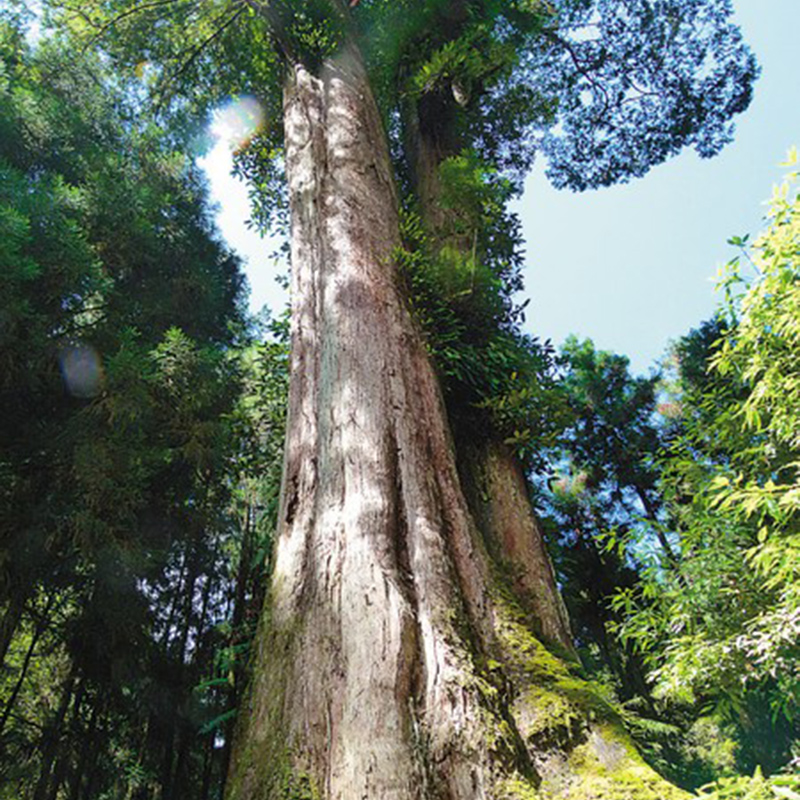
140,503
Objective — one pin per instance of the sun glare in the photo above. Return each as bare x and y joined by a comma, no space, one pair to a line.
82,370
237,121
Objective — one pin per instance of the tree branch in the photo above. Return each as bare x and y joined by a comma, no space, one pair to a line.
581,67
209,39
130,12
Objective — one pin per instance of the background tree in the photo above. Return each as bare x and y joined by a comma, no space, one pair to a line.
118,310
717,625
605,485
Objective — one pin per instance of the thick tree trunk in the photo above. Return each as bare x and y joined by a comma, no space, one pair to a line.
364,607
491,474
392,661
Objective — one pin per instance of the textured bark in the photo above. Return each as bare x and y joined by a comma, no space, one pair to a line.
493,477
391,662
375,538
497,492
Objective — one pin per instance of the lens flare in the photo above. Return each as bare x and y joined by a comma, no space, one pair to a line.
237,121
82,370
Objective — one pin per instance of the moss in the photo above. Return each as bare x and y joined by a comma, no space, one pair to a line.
265,774
297,786
517,788
522,651
552,707
263,763
548,718
601,768
574,736
608,767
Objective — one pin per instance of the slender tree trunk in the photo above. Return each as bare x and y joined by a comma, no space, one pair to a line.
23,672
11,617
243,579
51,737
172,728
177,599
187,610
69,737
187,736
167,740
92,767
651,512
208,769
87,745
392,661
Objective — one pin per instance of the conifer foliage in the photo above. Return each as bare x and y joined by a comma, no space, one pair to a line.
119,309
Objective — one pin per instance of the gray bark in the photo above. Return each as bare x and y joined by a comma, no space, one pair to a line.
374,537
389,664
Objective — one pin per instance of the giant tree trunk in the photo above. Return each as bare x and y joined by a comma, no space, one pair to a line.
393,660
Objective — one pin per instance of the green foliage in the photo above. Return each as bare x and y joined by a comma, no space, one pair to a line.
719,625
613,440
460,287
464,66
740,787
763,355
118,311
604,487
753,492
464,61
260,428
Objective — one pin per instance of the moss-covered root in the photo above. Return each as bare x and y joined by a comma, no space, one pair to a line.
574,738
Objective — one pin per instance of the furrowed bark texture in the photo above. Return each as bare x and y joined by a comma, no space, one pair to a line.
497,493
376,560
492,476
390,663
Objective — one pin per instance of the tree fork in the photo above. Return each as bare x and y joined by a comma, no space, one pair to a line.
492,476
390,661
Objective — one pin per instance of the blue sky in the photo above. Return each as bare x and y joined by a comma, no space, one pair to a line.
632,266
